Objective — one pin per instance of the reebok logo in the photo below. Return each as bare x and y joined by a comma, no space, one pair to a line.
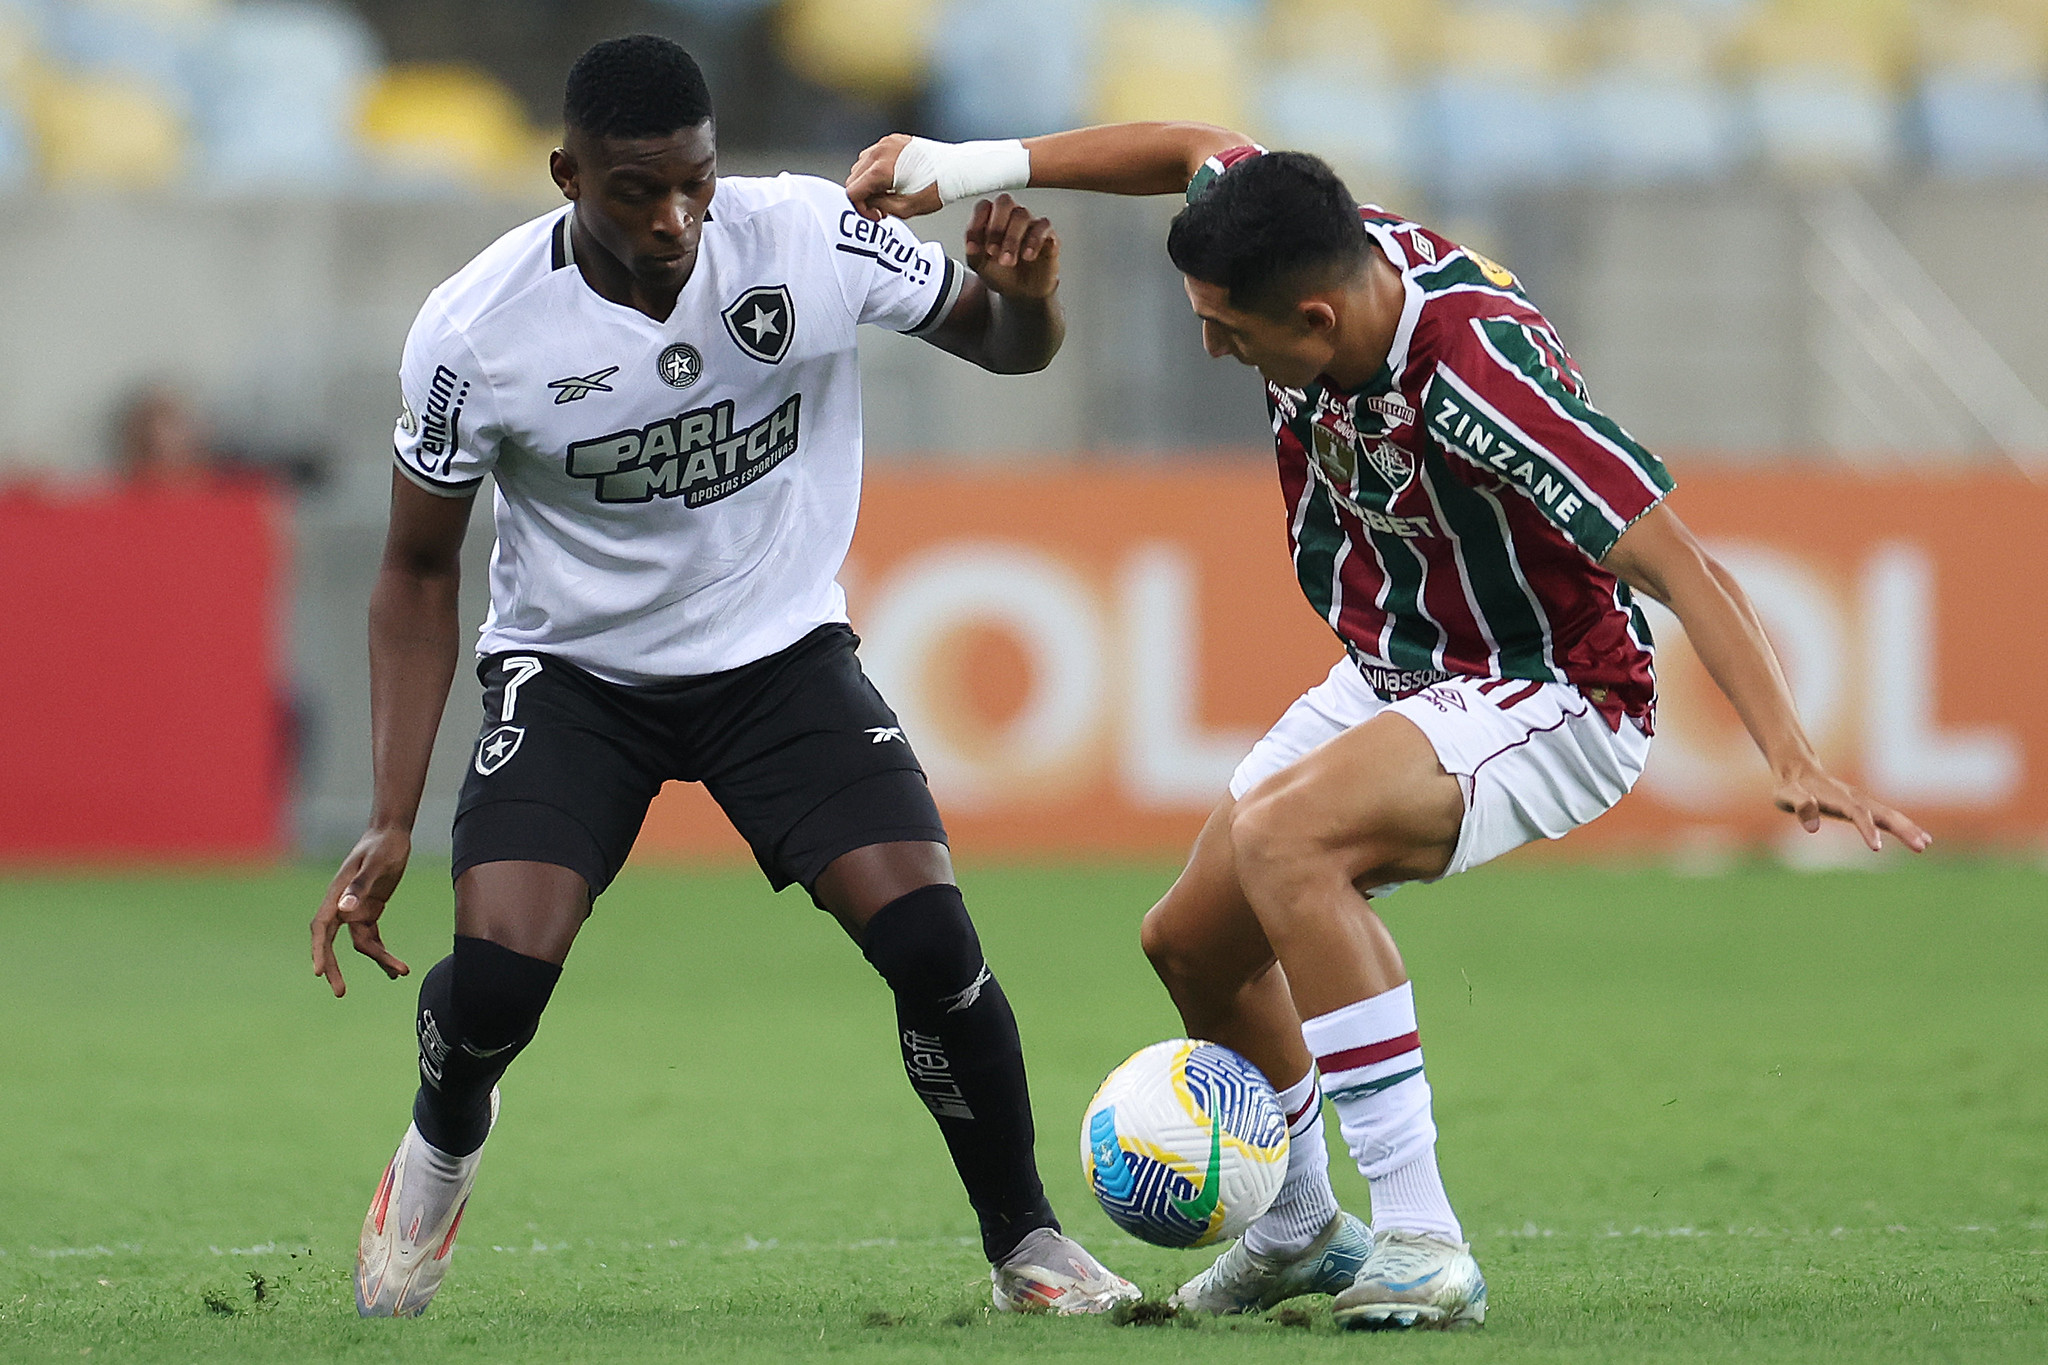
964,1000
582,386
882,734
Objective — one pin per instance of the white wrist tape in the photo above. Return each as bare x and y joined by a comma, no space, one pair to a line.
962,169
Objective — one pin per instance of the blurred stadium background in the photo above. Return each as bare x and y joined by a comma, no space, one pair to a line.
1792,242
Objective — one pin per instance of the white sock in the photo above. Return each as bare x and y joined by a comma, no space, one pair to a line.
1370,1056
1412,1197
433,1180
1306,1203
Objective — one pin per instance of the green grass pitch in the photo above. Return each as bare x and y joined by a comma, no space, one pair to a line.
1761,1117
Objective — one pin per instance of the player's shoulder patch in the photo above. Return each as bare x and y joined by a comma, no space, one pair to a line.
1212,169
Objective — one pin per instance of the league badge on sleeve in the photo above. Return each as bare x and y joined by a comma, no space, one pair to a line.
761,322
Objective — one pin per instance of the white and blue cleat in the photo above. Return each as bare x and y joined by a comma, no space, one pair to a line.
1243,1281
1414,1280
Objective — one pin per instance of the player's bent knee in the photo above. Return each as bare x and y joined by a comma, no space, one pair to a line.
1273,836
499,994
1166,944
1286,839
924,944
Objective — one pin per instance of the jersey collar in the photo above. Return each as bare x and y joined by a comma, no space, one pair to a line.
1411,304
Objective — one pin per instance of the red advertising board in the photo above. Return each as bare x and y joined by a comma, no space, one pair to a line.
140,715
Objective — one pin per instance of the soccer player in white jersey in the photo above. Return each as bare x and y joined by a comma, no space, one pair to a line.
662,380
1473,529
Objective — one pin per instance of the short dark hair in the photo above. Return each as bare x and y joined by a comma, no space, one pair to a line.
1270,229
642,86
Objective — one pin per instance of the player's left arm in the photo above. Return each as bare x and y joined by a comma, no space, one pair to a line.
1659,557
1007,319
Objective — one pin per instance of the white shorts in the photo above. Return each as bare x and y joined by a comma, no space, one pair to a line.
1535,760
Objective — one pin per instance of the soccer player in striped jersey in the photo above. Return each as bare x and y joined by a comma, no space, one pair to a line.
1475,531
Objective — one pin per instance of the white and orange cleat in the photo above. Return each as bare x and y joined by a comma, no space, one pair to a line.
1050,1272
409,1232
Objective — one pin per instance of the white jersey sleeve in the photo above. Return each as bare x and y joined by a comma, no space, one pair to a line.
888,276
447,436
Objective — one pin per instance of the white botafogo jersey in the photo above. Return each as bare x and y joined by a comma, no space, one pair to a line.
673,498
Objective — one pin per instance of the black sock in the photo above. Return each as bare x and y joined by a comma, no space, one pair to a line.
963,1056
478,1008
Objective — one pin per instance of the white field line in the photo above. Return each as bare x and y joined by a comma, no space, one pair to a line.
749,1243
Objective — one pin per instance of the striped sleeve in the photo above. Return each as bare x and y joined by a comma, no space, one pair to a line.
1215,166
447,436
1505,402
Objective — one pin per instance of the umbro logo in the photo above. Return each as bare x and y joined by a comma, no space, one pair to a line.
882,734
582,385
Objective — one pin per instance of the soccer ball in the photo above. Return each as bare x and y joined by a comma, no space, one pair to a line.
1184,1144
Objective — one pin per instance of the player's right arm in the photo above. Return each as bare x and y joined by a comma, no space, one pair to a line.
445,442
414,639
1115,158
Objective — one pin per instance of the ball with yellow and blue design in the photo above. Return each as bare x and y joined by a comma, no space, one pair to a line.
1184,1144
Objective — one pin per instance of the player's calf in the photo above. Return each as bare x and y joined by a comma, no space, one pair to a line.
964,1058
479,1007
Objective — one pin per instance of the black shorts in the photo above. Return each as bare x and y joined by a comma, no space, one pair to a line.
799,749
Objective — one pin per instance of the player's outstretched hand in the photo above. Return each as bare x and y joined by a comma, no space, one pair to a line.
872,184
1810,793
1016,255
356,898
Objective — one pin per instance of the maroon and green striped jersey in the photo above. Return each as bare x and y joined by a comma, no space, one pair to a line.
1449,518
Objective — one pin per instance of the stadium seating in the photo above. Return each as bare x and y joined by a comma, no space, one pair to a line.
131,40
1984,126
1983,107
1652,110
111,129
1638,129
443,128
1168,61
1370,130
1000,70
1501,114
16,162
871,47
1820,94
278,92
1457,99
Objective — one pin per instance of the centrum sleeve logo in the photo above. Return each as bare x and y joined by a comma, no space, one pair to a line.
441,424
699,456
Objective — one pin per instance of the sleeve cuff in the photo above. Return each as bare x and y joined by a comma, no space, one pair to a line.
441,488
942,306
